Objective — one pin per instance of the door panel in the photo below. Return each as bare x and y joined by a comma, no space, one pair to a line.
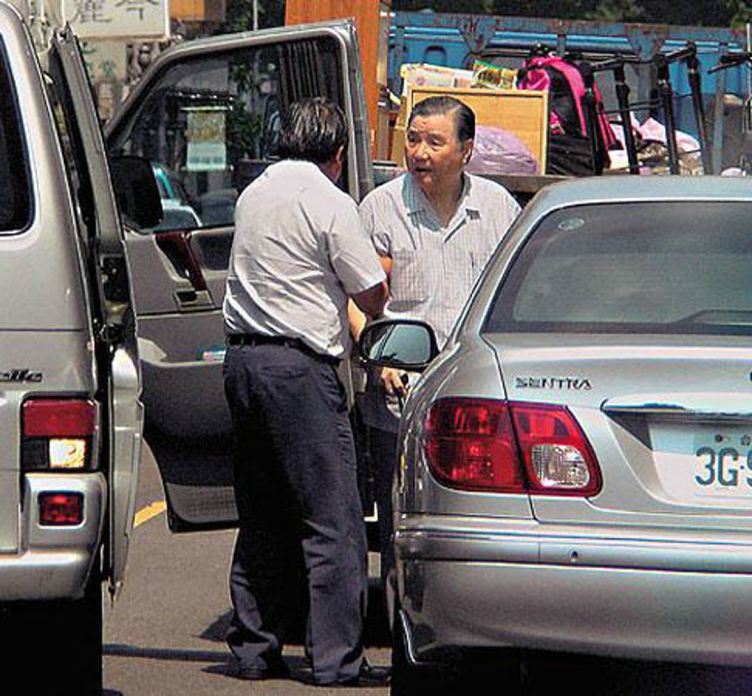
207,115
211,249
193,365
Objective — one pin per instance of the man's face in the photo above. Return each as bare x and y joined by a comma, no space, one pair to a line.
435,157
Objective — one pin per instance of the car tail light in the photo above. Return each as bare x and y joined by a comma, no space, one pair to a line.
58,433
470,445
508,447
61,509
557,456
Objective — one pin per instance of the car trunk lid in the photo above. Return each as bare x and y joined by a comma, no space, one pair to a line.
669,420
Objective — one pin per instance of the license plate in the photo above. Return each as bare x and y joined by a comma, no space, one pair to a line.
723,464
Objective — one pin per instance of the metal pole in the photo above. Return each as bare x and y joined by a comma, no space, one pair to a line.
748,49
622,96
616,65
255,15
591,117
666,96
695,87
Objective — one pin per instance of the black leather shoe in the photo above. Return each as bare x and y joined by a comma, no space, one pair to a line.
369,676
276,669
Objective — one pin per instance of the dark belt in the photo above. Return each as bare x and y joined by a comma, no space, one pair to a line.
236,339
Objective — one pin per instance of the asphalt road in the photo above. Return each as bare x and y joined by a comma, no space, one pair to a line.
165,635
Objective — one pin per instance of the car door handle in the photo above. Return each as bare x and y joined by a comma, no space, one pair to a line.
699,405
193,300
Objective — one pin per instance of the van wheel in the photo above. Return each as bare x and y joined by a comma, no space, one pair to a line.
60,642
84,655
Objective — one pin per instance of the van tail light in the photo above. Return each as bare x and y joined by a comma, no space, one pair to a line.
58,434
61,509
508,447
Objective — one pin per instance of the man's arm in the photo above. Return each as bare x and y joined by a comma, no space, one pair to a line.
386,263
358,319
372,300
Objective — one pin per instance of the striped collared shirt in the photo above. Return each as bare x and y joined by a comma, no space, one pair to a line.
434,267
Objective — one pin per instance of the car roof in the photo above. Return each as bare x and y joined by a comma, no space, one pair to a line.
624,188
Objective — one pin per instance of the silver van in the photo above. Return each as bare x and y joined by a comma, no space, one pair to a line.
70,414
91,245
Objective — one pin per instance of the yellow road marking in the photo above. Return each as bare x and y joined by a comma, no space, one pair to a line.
145,514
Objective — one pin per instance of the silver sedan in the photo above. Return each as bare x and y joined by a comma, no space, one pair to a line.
575,467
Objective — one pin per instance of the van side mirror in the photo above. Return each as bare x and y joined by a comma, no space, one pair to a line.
136,190
406,344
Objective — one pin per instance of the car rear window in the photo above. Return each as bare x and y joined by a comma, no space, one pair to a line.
660,267
15,207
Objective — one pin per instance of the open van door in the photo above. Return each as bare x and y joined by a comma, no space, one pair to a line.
207,115
108,284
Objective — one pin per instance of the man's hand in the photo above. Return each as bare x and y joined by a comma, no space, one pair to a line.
392,381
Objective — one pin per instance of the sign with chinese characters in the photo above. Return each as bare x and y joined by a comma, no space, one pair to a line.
106,19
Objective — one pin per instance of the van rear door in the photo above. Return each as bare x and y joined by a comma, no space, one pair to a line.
108,275
207,115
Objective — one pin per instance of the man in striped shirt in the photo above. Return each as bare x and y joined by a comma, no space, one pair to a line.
434,229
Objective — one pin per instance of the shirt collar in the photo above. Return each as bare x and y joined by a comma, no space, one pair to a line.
417,201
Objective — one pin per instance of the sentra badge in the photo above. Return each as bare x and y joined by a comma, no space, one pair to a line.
574,383
19,376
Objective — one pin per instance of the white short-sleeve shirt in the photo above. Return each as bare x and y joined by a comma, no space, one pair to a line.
434,267
299,251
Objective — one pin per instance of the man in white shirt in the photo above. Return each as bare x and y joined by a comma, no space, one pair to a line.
298,255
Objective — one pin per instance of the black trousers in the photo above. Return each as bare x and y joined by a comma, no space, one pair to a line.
300,512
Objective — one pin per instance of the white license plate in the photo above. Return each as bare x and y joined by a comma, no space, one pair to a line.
723,464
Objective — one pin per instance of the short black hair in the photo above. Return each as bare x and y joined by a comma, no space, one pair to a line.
464,116
313,130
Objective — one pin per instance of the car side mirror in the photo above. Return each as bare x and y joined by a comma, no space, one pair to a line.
136,190
406,344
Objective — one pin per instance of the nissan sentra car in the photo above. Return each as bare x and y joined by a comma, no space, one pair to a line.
575,467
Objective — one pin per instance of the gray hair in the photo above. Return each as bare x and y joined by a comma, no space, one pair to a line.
464,117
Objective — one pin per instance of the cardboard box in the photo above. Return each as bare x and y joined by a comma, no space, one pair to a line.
522,112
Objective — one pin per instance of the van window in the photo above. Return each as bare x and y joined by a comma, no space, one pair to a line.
682,267
15,200
70,139
211,125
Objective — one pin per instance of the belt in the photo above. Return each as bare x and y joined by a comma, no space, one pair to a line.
236,339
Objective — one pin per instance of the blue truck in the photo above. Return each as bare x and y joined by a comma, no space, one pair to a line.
457,40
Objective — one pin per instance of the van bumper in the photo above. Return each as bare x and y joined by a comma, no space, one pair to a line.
54,562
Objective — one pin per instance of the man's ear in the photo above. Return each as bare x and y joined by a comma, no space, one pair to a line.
333,168
467,150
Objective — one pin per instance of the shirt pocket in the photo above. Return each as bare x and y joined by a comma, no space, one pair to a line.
412,279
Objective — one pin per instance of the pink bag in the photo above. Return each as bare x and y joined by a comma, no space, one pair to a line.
566,87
